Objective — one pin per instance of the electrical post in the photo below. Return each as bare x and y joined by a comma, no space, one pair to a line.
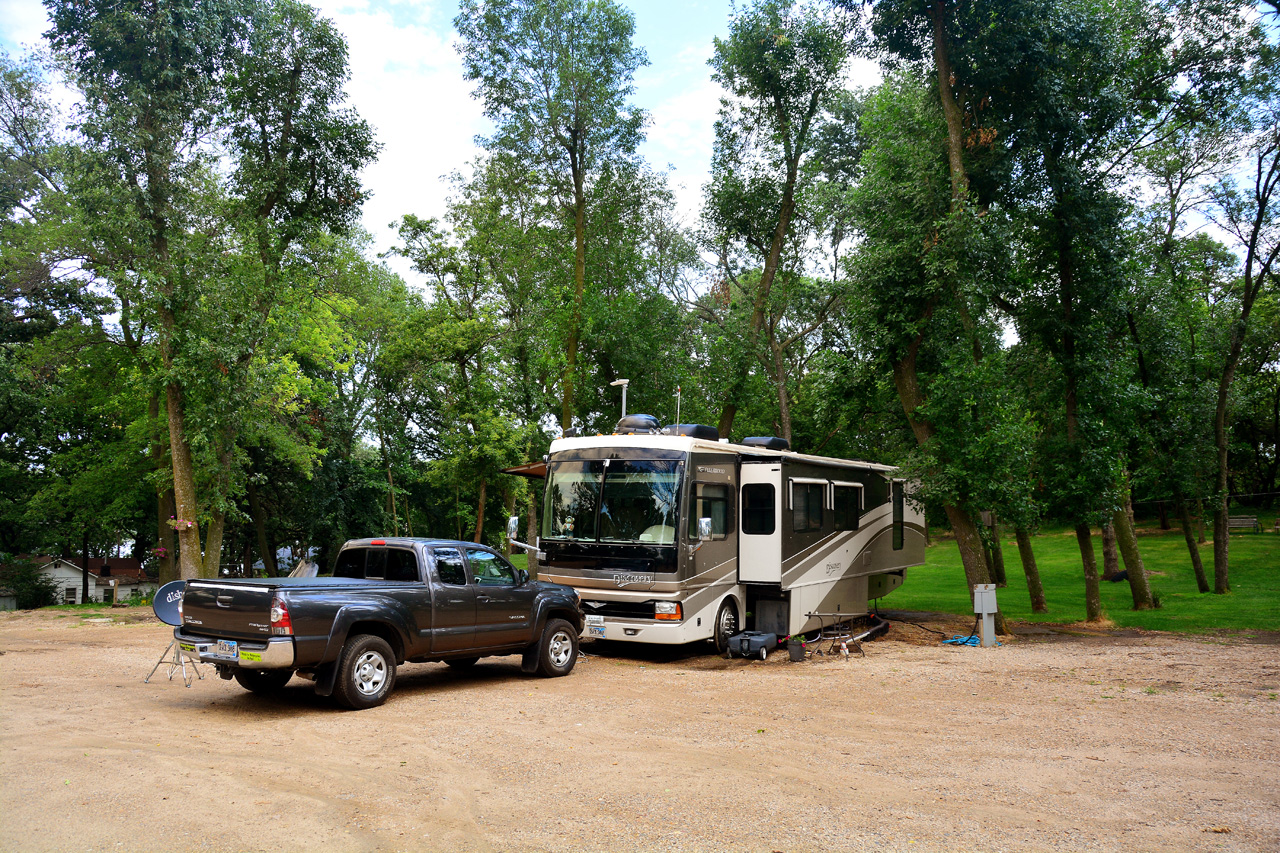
985,607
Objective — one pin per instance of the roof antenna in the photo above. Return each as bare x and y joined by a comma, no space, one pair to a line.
677,408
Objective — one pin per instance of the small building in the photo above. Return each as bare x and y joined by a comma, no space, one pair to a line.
8,599
111,579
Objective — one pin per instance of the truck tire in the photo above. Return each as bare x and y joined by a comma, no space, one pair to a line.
557,649
263,680
726,625
366,672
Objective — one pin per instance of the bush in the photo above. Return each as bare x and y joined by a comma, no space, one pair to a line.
32,587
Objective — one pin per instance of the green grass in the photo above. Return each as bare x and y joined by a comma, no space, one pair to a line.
1252,604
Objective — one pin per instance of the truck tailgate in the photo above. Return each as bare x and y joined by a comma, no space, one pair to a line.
231,609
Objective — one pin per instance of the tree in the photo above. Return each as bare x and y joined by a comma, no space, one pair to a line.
782,66
554,76
203,266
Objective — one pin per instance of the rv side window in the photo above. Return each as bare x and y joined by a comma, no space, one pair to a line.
758,509
848,506
806,506
898,512
710,501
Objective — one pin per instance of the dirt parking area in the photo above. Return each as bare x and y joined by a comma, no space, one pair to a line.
1060,740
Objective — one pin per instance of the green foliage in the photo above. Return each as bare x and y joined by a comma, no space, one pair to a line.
31,587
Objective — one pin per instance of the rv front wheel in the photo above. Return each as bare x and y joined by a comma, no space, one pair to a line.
726,626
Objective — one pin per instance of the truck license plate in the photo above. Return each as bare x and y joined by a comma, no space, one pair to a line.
227,648
595,625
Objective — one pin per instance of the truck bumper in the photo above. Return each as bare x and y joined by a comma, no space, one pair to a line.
275,653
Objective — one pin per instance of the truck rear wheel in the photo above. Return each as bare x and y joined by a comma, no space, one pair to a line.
558,649
366,672
263,680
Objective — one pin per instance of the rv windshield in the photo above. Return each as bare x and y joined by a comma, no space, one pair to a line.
618,500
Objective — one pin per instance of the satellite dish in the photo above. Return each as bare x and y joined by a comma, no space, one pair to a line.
166,602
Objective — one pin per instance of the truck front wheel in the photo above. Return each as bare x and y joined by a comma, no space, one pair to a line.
263,680
366,672
558,649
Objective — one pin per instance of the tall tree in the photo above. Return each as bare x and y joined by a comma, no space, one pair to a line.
555,77
782,66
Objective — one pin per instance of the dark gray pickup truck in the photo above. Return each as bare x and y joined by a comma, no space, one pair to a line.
387,602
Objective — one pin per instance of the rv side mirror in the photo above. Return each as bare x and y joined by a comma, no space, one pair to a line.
704,529
513,526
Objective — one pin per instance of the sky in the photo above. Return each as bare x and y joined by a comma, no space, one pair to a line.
407,82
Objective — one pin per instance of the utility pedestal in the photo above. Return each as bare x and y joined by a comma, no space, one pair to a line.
984,605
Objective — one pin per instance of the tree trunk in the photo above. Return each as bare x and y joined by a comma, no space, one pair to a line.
184,487
165,538
997,555
1184,517
1110,556
579,293
1139,583
480,510
1200,537
213,545
1092,592
1221,547
265,550
1164,515
1034,587
164,499
950,109
531,533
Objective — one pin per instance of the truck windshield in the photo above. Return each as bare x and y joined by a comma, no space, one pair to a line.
613,500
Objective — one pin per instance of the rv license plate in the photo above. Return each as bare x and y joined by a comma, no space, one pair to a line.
595,625
227,648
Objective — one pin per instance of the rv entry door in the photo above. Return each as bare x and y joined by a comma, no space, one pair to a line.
760,537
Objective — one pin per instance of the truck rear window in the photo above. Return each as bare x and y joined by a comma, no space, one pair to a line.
392,564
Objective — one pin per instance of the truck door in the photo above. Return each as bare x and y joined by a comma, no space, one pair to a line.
760,538
454,617
504,606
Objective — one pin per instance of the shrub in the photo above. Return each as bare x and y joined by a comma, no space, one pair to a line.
31,587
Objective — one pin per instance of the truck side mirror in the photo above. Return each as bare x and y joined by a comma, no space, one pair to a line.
513,526
523,575
704,529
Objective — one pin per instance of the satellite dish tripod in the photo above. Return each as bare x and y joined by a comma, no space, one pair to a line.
165,604
175,662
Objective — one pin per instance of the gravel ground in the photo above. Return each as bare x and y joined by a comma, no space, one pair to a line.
1063,739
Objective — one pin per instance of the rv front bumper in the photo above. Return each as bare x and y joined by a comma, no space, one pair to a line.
642,630
275,653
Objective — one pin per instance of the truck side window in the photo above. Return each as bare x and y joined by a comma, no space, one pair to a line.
806,506
449,566
489,569
350,563
402,565
758,509
710,501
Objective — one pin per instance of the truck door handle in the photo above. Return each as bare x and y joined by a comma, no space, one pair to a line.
483,598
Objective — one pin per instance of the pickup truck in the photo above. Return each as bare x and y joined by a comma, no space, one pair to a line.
388,601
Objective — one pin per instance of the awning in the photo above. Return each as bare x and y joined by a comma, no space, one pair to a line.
532,470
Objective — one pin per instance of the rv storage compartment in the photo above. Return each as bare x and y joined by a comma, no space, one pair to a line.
752,644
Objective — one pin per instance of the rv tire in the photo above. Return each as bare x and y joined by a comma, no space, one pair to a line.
726,625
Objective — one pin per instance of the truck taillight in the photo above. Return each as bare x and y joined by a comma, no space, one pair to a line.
280,623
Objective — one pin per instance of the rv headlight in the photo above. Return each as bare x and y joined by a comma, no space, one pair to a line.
667,610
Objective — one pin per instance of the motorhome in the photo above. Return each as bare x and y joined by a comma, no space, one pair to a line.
671,535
